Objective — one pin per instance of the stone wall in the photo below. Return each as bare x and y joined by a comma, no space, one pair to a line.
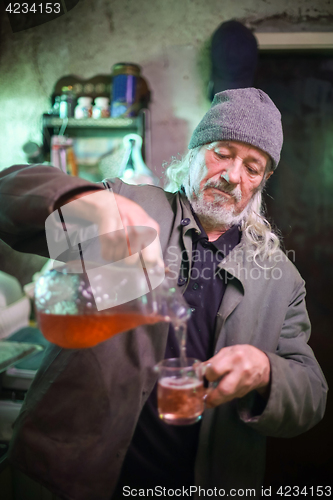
168,38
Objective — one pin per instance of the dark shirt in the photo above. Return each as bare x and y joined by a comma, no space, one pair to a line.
162,454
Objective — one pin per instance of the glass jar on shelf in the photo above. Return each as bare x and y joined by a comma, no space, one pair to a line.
66,104
83,108
101,108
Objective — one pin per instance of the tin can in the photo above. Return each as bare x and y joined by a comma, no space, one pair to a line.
124,89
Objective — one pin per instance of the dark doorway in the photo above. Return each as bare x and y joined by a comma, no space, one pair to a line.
299,201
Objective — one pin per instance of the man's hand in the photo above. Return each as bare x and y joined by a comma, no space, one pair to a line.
124,227
237,370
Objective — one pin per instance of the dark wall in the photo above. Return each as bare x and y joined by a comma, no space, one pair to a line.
299,200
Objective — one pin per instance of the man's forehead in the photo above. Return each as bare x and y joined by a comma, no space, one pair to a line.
234,144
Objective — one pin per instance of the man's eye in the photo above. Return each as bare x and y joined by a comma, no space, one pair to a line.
251,170
222,156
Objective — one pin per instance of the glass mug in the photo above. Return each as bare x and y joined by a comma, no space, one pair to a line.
180,390
78,309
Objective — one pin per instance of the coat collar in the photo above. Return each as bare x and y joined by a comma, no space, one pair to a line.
236,260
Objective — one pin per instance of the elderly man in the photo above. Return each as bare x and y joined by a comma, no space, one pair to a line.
89,428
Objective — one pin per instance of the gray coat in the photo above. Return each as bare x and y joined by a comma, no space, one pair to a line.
81,411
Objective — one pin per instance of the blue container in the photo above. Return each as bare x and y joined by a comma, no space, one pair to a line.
124,90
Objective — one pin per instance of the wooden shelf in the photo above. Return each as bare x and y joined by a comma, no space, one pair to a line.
91,127
91,123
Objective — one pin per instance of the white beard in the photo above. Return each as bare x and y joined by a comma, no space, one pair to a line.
213,214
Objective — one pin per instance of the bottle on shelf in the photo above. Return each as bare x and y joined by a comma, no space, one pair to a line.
133,169
124,98
83,108
67,102
55,110
101,108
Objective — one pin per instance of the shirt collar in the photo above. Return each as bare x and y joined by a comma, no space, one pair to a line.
228,240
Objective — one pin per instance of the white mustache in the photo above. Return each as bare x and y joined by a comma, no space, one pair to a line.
225,188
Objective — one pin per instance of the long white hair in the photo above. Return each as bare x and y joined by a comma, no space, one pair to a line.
255,227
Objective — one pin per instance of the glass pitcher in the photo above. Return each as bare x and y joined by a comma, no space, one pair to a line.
78,309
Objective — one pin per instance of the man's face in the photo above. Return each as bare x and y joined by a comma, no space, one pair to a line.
227,175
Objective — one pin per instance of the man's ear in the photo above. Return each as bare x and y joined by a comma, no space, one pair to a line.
267,176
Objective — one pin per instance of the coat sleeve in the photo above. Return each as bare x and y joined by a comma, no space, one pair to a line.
298,390
27,197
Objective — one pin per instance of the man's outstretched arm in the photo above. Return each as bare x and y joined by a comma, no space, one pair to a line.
30,194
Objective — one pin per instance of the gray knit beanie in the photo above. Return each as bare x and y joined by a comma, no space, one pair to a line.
246,115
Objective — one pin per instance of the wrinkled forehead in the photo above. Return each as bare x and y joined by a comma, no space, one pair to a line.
234,144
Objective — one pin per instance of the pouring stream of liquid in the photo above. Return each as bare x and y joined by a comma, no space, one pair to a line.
181,330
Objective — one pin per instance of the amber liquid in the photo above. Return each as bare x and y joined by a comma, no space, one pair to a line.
79,331
180,400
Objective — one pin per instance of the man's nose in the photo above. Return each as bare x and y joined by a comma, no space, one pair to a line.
233,173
